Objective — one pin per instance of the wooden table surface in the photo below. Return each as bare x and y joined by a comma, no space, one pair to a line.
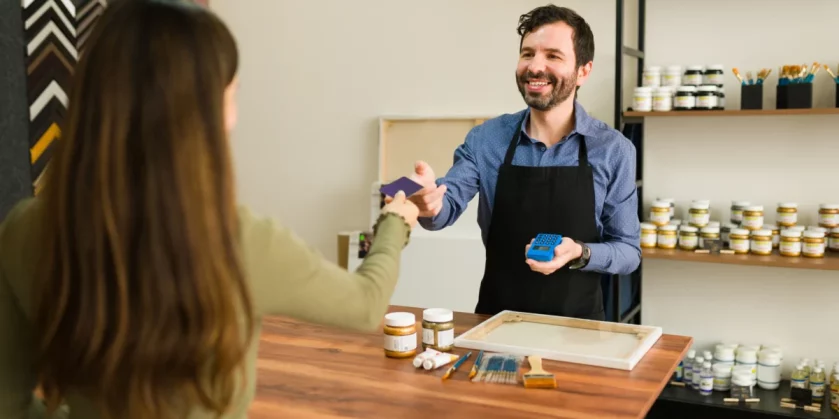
307,371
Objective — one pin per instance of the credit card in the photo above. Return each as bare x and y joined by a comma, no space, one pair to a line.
402,184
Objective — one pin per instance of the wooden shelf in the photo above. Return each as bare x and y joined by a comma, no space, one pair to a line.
830,262
734,112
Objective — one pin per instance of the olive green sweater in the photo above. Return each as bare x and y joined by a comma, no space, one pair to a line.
286,277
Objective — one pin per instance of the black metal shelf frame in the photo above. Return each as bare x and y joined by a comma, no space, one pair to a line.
634,131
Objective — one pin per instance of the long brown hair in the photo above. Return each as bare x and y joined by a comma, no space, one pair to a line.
141,304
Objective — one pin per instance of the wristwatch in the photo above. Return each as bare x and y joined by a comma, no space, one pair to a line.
581,261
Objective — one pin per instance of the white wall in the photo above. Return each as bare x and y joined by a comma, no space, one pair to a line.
762,159
317,74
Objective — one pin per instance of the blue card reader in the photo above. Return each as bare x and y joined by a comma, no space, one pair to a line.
542,249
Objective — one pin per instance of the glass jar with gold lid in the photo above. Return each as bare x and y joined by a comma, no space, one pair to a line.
667,237
660,213
787,214
707,234
829,215
688,237
790,245
738,240
752,217
814,244
833,242
700,213
761,242
649,235
737,208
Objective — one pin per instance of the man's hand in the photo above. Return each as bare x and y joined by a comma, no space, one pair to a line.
429,199
567,251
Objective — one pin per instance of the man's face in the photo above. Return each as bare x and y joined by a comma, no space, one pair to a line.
546,74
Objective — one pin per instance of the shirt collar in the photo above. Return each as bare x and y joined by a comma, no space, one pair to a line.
583,123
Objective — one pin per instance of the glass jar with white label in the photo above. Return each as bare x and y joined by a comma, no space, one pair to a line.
790,245
706,97
660,213
752,217
738,240
688,238
694,75
713,75
761,243
649,235
643,99
833,240
662,99
787,214
667,237
651,76
829,215
737,208
700,213
685,98
813,245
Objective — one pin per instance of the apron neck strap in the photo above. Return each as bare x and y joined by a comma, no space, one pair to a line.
511,149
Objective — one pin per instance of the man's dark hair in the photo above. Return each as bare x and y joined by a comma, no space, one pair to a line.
544,15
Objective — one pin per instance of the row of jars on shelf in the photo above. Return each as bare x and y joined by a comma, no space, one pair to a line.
746,233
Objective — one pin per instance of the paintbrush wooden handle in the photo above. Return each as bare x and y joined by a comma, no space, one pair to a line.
536,365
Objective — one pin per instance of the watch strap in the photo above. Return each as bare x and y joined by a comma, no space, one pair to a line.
585,256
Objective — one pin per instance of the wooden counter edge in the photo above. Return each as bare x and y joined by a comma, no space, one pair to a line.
664,383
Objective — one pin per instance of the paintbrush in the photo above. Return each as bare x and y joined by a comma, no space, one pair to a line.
538,377
478,360
456,365
829,71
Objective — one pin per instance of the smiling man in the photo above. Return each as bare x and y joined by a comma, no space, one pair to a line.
550,168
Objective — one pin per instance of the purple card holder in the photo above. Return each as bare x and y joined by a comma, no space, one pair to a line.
402,184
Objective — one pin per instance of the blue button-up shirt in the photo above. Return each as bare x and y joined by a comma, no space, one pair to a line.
611,155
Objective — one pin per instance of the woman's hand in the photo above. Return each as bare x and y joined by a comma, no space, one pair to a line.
401,206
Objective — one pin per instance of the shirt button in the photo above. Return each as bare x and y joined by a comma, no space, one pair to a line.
541,147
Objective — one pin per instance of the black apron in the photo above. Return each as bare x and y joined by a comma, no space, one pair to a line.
529,201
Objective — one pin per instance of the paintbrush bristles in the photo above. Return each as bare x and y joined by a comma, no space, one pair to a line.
538,377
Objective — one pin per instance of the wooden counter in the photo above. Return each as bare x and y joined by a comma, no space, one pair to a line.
307,371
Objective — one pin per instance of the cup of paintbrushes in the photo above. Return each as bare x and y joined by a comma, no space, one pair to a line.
751,96
835,80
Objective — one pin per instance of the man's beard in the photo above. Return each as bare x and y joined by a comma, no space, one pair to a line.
561,90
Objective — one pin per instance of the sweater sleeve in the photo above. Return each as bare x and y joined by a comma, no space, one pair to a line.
289,278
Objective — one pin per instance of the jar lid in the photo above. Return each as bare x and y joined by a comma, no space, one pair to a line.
740,232
710,229
835,230
813,234
437,315
796,228
788,205
730,226
713,224
668,227
663,90
687,88
400,319
648,226
644,89
725,351
696,68
829,206
722,370
740,203
762,233
790,233
688,229
653,69
661,204
701,204
816,228
707,88
716,67
772,227
692,353
666,199
675,222
754,208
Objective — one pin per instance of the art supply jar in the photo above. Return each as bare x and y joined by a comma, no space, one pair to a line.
787,214
829,215
725,232
722,377
651,76
713,75
813,245
833,242
649,235
672,76
708,233
769,370
790,245
660,213
724,355
694,75
438,329
667,238
752,217
400,330
643,99
699,213
739,240
737,208
720,98
662,99
688,238
741,385
761,242
671,202
706,98
685,98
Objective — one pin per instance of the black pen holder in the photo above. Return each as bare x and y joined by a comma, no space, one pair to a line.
837,93
751,96
795,96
